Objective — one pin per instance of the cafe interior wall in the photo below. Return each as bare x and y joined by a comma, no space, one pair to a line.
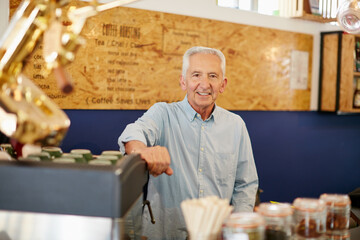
297,153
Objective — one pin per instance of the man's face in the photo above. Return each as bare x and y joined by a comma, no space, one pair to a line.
203,81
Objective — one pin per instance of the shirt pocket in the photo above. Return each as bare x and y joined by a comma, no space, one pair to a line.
225,168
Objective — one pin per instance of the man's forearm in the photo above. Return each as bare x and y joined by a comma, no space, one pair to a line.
134,146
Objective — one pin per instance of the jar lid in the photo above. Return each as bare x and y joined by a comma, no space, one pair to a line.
309,204
275,209
336,200
244,220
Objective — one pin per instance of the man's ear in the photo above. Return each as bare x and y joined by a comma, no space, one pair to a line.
223,85
182,82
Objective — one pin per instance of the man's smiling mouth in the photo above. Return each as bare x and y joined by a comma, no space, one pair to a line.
203,93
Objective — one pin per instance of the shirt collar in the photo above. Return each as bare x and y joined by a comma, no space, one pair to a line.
191,113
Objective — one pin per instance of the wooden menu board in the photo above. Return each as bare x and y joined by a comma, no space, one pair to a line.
133,58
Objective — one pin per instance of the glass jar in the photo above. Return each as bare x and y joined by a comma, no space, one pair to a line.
338,215
309,218
248,225
278,220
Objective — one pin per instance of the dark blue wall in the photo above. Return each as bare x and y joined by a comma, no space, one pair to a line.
298,154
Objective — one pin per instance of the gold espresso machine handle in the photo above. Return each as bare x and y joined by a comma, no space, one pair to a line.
26,113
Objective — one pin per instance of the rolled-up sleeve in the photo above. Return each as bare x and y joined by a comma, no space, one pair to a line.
146,129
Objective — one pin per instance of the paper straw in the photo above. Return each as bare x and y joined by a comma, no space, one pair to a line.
205,216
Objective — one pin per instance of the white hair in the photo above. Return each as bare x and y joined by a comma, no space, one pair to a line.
205,50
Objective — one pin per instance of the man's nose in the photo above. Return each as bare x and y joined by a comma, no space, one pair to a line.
205,81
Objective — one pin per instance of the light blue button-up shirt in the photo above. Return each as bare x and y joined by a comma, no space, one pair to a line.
211,157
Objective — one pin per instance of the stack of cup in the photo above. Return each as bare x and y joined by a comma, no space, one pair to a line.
100,162
79,158
54,152
64,160
111,158
43,156
86,153
118,154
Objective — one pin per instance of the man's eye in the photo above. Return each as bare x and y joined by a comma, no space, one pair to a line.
196,75
213,76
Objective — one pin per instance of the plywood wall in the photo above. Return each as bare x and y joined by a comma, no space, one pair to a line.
132,58
329,77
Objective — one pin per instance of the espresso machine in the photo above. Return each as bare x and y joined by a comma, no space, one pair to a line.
27,115
46,200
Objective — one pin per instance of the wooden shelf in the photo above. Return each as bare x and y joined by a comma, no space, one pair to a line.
315,18
356,74
336,90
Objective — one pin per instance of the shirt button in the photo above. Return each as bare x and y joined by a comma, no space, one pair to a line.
200,170
202,149
201,191
202,127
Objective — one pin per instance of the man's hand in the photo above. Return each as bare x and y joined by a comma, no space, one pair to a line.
157,158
